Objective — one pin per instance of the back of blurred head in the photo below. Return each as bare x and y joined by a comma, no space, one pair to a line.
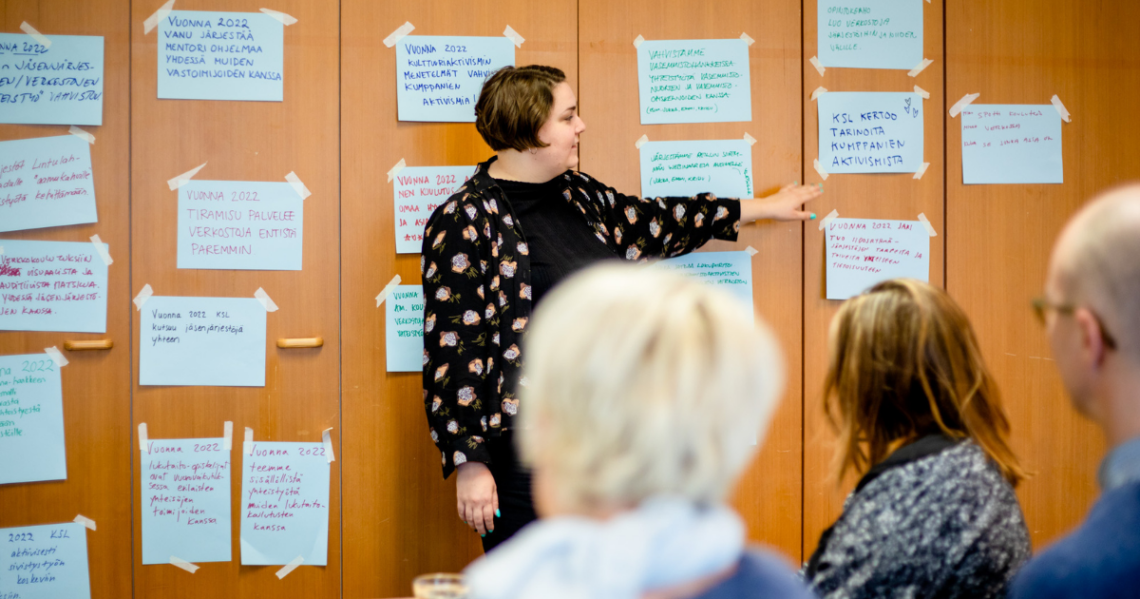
642,382
904,363
1093,310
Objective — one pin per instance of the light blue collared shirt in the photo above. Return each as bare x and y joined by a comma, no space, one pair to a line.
1121,466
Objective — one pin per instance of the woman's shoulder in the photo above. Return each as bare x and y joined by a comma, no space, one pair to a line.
760,573
963,465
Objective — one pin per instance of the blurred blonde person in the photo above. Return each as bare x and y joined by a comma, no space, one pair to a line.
920,419
645,392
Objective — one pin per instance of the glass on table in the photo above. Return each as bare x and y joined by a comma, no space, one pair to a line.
439,586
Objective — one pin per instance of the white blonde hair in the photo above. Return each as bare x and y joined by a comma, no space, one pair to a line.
642,382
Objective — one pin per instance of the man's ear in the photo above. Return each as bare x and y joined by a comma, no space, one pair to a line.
1092,341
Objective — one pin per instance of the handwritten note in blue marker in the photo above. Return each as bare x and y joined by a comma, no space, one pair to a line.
45,182
1011,143
44,562
686,168
207,341
870,34
185,500
438,78
862,252
418,191
284,504
61,85
52,286
221,56
870,132
694,81
729,271
31,420
239,225
404,328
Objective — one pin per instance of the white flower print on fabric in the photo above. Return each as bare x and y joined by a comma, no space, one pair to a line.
632,252
431,271
631,215
471,211
452,426
679,212
511,406
512,352
448,339
438,239
522,248
654,228
489,312
459,458
443,294
698,220
427,358
524,291
721,212
507,269
475,366
441,372
429,323
471,318
496,419
519,325
465,396
436,402
460,263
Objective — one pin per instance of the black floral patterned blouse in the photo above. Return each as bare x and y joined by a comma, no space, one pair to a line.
477,291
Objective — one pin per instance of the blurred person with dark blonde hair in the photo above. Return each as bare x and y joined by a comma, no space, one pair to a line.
647,395
919,416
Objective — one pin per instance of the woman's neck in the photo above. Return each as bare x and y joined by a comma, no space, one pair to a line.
524,167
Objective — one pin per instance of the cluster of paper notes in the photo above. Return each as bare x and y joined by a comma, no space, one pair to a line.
52,286
872,34
46,182
687,168
44,562
285,503
870,132
1011,143
57,85
240,225
418,190
221,56
31,420
185,500
694,81
862,252
202,341
438,78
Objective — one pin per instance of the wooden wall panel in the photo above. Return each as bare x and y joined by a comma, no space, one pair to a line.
252,141
999,237
895,196
769,494
400,513
96,384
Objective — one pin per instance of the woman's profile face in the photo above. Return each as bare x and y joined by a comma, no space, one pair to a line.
561,131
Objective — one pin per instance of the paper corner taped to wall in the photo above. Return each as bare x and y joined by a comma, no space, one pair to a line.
289,567
247,444
81,134
818,92
228,435
1061,110
834,214
143,445
926,223
185,177
36,35
920,67
101,249
84,520
265,300
326,437
143,296
399,34
641,141
395,170
185,565
298,185
921,170
819,168
514,36
280,16
152,21
387,289
751,251
818,66
922,92
962,103
56,356
747,39
751,140
637,41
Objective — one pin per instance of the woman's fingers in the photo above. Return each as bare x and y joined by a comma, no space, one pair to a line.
489,517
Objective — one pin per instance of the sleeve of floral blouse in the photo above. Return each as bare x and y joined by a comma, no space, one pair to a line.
456,335
668,226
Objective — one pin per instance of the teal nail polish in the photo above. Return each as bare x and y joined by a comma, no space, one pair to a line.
813,216
482,536
497,514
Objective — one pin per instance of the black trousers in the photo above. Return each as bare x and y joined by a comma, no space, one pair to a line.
512,481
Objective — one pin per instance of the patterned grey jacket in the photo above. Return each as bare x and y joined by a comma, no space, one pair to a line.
935,519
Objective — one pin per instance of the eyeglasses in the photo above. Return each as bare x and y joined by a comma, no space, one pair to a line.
1042,305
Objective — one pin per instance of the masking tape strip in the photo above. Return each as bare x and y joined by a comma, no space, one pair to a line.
247,445
80,133
265,300
327,438
399,34
818,91
387,289
143,295
819,169
228,435
921,170
922,92
1,250
637,41
298,185
818,66
143,446
185,565
834,214
84,520
184,178
396,169
751,251
56,356
280,16
747,39
289,567
920,68
514,36
641,141
39,37
751,140
102,249
964,102
1064,112
152,21
926,223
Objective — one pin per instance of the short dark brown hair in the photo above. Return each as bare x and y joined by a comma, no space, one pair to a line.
514,104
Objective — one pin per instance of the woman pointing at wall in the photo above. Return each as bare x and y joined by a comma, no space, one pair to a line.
525,221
